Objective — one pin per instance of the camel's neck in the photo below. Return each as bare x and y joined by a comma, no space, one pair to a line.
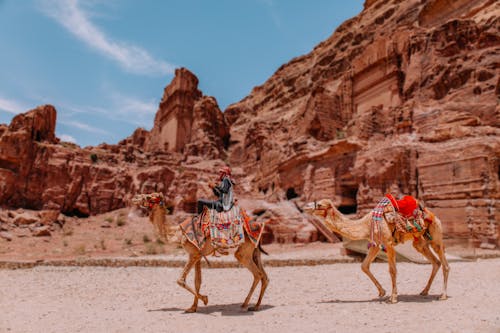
352,229
157,218
157,215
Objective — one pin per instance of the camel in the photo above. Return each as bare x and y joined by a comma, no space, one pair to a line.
247,254
360,229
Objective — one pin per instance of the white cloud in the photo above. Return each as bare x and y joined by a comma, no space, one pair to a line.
67,138
12,106
132,58
133,110
83,126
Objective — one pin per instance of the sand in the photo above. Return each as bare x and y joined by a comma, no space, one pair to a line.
326,298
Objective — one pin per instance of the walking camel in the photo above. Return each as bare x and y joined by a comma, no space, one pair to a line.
361,229
248,254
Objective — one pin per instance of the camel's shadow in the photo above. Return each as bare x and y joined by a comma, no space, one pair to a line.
225,309
401,299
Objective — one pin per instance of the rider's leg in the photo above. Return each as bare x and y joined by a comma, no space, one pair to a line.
202,203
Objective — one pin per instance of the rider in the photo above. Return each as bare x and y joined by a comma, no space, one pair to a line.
224,192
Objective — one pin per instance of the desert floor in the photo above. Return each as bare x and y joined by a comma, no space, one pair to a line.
325,298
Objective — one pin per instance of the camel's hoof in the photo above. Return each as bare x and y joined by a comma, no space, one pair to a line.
381,293
443,297
393,299
204,299
181,283
191,309
424,293
253,308
244,305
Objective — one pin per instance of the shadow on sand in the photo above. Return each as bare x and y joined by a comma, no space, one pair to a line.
401,299
225,309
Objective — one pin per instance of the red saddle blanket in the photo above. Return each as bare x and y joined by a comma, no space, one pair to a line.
406,206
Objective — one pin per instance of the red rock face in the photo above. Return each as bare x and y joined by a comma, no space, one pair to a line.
39,172
402,98
408,92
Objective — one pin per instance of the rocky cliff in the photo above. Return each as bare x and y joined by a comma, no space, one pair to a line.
402,98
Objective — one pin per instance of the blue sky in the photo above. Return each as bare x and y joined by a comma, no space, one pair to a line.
104,64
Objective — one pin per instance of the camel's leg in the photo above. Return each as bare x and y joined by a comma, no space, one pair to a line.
182,280
439,248
423,247
391,256
244,255
264,280
197,285
365,266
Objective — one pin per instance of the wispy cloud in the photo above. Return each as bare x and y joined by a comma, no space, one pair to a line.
12,106
273,12
76,20
133,110
83,126
67,138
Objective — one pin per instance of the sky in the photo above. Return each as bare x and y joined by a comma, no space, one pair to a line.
104,64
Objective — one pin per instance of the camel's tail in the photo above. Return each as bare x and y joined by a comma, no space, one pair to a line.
262,250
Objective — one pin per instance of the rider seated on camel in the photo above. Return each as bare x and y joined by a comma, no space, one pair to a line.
223,191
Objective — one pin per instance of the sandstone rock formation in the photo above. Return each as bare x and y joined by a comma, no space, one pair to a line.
402,98
405,97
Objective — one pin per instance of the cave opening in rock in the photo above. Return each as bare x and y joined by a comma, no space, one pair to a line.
348,204
75,213
290,193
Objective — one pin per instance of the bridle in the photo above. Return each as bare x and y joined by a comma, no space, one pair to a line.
151,202
325,210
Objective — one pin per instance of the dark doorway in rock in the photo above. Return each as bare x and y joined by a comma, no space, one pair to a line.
349,204
290,193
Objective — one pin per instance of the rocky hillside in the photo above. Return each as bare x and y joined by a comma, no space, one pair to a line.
402,98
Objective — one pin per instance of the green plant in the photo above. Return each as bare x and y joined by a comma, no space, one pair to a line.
80,249
146,239
94,158
120,222
108,219
67,231
151,249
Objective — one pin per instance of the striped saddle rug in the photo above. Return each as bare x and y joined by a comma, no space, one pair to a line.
225,228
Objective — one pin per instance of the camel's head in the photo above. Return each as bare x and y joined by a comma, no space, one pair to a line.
319,208
149,201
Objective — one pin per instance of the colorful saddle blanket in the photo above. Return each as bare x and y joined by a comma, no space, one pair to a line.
226,229
404,214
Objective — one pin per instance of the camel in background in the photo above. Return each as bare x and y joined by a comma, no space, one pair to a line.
248,254
360,229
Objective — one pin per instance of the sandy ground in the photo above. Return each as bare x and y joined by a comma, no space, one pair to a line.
327,298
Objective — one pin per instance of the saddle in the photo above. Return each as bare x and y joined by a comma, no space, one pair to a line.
404,216
226,229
